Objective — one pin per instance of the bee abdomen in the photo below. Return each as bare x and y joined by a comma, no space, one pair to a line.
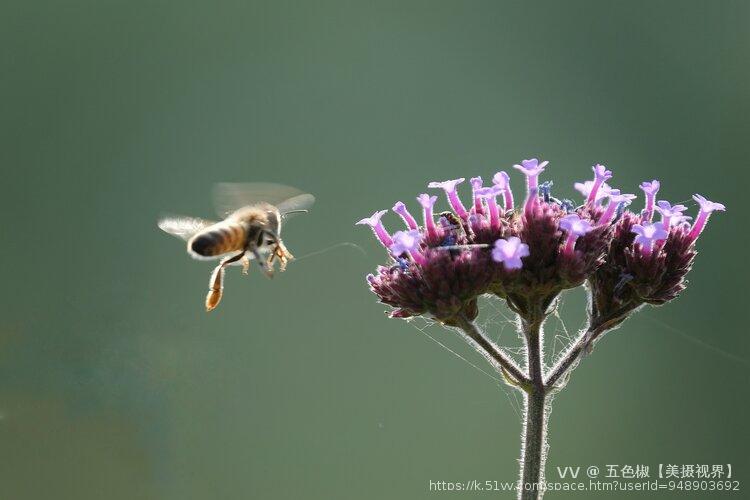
218,239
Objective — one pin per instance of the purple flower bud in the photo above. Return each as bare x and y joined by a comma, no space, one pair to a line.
509,252
476,183
615,200
401,210
648,235
531,169
377,227
489,194
450,190
601,174
427,203
706,208
575,227
408,242
650,189
669,213
502,180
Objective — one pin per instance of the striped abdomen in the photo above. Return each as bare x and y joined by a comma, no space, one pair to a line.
220,238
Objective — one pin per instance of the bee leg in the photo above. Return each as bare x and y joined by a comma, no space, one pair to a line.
245,264
282,253
267,268
216,283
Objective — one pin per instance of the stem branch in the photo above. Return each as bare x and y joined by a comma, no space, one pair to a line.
491,351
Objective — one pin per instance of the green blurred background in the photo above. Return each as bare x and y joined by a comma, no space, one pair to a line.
114,383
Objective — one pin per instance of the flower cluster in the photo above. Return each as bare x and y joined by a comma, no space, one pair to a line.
528,255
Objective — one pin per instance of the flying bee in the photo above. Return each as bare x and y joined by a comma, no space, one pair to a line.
250,230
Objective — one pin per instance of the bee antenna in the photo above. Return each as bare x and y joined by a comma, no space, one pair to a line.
301,211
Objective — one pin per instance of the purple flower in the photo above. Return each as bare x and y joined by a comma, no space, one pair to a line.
510,252
476,183
450,190
706,208
401,210
531,169
575,227
648,235
615,200
585,189
427,203
502,180
489,194
650,188
601,174
408,242
377,227
669,213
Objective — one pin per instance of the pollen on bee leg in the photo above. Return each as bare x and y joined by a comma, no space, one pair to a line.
215,288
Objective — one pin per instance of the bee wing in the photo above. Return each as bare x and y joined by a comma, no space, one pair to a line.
182,226
297,204
229,197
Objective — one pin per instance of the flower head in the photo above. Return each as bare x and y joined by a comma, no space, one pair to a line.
476,183
510,252
377,227
531,169
401,210
647,235
615,201
427,203
450,190
502,180
601,174
706,208
575,227
670,214
372,220
489,194
573,224
585,189
407,242
650,189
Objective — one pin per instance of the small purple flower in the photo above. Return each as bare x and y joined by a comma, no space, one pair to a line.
509,252
650,189
531,169
408,242
502,180
615,200
377,227
585,189
476,183
648,235
601,174
450,190
706,208
670,214
427,203
575,227
489,194
400,209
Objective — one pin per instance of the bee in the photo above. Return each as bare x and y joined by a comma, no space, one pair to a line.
250,229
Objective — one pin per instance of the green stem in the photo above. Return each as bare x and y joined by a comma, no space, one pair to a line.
535,425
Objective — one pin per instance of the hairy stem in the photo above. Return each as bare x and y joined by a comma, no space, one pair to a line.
583,344
491,351
534,434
